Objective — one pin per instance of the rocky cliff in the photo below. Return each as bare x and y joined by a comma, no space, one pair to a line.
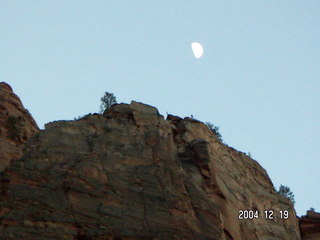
16,125
310,226
130,174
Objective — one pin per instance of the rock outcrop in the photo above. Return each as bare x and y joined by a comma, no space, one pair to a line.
130,174
310,226
16,125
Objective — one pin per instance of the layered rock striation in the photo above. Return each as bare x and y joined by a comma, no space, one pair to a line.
16,125
310,226
130,174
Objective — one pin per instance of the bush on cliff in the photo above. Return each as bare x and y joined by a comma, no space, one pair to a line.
215,130
285,191
107,101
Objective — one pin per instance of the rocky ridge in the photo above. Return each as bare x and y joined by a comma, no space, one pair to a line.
130,174
310,226
16,125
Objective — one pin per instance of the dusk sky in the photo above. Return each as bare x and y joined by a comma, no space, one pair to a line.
258,80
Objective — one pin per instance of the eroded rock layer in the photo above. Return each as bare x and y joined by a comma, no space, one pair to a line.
310,226
16,125
130,174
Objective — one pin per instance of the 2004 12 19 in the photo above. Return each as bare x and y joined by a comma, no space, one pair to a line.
266,214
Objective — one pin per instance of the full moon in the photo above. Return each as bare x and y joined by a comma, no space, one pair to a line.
197,49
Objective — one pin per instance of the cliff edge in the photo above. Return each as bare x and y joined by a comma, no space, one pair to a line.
130,174
16,125
310,226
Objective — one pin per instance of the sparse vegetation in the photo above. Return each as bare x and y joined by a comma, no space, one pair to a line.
13,124
214,129
82,117
285,191
107,101
91,141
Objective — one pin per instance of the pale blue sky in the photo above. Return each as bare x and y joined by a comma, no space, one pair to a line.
258,79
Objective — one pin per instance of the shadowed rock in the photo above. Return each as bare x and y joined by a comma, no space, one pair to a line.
130,174
16,125
310,226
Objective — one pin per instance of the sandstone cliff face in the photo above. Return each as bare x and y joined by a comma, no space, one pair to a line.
16,125
130,174
310,226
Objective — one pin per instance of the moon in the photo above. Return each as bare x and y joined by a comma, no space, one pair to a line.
197,49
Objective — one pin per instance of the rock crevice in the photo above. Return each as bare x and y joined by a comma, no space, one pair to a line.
131,174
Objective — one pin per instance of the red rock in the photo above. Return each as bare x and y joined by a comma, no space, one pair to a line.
130,174
5,86
310,226
16,125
